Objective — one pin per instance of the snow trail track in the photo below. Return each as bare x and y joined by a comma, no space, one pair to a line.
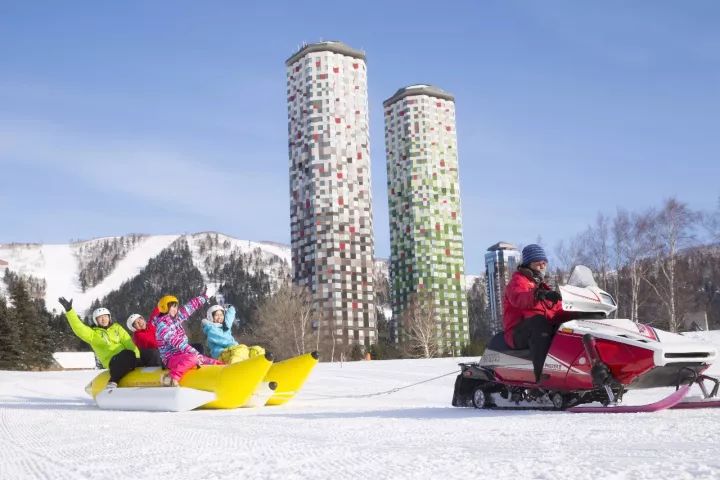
49,428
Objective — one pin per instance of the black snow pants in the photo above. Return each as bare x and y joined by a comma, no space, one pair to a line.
121,364
536,334
150,357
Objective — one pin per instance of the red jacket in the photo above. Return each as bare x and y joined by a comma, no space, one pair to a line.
519,302
146,338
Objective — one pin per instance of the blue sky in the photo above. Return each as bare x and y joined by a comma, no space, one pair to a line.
170,116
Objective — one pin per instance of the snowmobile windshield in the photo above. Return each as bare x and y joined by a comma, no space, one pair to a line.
582,276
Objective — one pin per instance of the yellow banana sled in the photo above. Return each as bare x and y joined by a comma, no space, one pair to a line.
254,382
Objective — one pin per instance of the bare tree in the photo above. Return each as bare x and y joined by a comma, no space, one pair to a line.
285,321
481,323
419,327
568,256
597,248
621,229
711,222
381,284
633,247
674,226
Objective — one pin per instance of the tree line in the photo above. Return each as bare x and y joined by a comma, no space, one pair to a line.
661,264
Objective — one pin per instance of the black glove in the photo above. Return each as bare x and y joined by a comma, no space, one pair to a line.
66,304
553,296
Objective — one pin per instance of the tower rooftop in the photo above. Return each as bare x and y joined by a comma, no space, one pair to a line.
328,46
419,89
502,246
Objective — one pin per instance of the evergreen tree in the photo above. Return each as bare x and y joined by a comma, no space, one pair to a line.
9,339
244,284
35,343
47,339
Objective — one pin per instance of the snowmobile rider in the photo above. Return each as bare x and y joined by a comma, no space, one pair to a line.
217,327
175,350
110,342
143,335
529,308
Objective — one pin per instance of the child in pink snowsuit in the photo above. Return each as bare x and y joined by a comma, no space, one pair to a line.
175,350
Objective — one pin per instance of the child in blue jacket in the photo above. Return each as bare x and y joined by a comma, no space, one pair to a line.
218,329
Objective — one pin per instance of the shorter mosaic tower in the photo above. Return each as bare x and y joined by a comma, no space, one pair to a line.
426,246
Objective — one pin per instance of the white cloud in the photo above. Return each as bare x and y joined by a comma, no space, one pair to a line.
166,178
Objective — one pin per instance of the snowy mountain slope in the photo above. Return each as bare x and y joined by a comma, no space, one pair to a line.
51,429
224,246
59,266
127,268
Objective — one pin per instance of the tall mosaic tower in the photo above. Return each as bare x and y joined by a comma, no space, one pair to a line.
426,246
330,196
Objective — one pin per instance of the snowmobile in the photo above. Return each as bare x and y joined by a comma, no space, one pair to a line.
592,358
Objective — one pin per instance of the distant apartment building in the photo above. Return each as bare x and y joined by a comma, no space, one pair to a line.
426,243
501,260
330,192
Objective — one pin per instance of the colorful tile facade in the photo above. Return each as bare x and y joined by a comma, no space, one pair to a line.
426,246
330,190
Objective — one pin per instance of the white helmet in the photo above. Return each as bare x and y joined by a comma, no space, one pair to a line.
100,311
212,310
131,319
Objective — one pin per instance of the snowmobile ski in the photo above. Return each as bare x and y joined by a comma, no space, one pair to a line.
663,404
690,403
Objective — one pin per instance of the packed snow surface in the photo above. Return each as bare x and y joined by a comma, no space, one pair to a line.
49,428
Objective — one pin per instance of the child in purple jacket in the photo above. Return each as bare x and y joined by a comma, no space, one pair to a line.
173,344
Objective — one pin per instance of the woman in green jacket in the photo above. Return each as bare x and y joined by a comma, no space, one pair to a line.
110,342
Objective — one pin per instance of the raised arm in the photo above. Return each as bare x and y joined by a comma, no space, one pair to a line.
229,317
82,331
190,307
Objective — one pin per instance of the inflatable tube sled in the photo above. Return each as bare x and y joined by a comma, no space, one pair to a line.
290,375
233,385
251,383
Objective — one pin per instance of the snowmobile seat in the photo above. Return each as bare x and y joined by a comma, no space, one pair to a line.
498,344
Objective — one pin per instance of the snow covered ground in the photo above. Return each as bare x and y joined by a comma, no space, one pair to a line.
49,428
